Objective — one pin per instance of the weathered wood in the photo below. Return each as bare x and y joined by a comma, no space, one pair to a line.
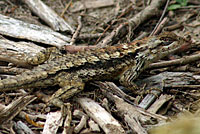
87,4
159,103
19,29
23,128
53,121
93,126
10,111
164,80
23,47
101,116
48,15
83,120
132,115
134,22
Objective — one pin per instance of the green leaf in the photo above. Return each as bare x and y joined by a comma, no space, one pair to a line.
174,6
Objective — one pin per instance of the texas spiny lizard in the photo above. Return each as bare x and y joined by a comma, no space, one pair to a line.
72,71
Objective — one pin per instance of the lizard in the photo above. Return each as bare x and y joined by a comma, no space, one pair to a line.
71,71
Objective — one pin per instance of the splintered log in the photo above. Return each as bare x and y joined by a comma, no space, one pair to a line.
48,15
9,112
101,116
165,80
19,29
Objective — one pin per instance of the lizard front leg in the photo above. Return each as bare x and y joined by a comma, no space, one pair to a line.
129,75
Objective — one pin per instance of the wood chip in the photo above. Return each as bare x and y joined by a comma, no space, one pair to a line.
87,4
54,120
48,16
101,116
10,111
19,29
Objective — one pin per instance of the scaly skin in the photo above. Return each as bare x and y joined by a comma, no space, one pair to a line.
72,71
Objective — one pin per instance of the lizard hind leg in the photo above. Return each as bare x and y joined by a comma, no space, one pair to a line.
70,85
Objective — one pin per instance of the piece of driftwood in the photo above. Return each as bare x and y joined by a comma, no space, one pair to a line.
165,80
87,4
53,121
31,116
22,128
111,87
21,46
48,15
9,112
19,29
159,103
93,126
101,116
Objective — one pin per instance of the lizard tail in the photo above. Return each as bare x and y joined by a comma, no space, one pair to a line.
22,80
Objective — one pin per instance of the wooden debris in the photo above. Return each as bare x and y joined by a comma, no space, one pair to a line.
53,121
81,124
134,22
19,29
67,128
9,112
181,61
87,4
23,128
132,115
102,117
77,32
159,103
22,46
161,81
93,126
83,121
48,15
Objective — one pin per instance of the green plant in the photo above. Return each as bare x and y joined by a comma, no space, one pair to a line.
178,4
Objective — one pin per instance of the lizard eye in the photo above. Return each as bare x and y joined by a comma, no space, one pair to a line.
63,51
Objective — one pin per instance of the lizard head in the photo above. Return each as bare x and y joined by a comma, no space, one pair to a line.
161,46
